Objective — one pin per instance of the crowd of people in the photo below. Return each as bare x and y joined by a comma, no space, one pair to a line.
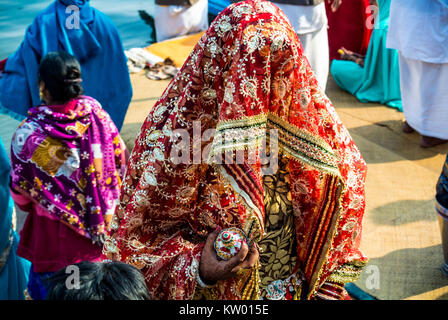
139,225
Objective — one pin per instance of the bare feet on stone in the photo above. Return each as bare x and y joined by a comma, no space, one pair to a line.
428,142
351,56
407,128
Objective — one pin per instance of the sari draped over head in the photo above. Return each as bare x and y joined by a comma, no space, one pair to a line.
70,163
246,83
87,34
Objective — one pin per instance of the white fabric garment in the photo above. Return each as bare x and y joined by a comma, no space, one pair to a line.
310,23
305,19
425,96
315,46
419,29
176,21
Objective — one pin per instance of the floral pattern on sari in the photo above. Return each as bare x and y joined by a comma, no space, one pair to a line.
198,164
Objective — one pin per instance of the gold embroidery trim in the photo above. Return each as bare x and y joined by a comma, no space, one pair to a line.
335,223
233,135
273,118
348,272
242,122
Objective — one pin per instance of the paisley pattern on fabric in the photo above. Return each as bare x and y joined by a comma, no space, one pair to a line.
199,163
55,163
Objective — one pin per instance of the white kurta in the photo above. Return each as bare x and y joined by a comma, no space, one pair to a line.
424,92
419,31
310,23
176,21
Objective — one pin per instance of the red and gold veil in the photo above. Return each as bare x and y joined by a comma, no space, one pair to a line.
198,164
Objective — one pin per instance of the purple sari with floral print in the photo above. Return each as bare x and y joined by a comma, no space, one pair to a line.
70,159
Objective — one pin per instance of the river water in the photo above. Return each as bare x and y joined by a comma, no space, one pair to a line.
17,15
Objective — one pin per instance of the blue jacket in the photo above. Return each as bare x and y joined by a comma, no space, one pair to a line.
87,34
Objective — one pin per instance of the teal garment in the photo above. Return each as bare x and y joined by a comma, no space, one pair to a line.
14,270
379,79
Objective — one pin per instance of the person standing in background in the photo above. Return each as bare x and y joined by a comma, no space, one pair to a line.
309,20
419,31
348,27
84,32
174,18
67,162
377,79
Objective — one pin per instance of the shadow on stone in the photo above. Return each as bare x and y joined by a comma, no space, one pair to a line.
405,273
129,133
404,212
388,135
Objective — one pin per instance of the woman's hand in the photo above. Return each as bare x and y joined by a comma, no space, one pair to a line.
211,269
335,4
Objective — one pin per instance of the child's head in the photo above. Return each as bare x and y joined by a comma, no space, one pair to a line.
97,281
59,77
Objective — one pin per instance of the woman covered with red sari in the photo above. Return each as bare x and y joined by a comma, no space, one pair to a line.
198,165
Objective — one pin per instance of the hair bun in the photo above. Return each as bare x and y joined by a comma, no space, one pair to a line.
61,73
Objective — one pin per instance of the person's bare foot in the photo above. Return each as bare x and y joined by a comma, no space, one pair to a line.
351,56
407,128
428,142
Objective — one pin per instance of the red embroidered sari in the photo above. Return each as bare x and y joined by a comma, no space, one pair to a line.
245,81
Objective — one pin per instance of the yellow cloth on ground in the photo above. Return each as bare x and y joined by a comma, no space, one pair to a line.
177,49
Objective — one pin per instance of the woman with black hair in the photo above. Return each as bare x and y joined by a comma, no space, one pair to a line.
108,280
67,162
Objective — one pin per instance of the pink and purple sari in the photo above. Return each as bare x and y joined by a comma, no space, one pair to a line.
69,160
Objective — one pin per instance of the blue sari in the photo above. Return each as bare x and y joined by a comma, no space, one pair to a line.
442,192
216,6
87,34
13,269
379,79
